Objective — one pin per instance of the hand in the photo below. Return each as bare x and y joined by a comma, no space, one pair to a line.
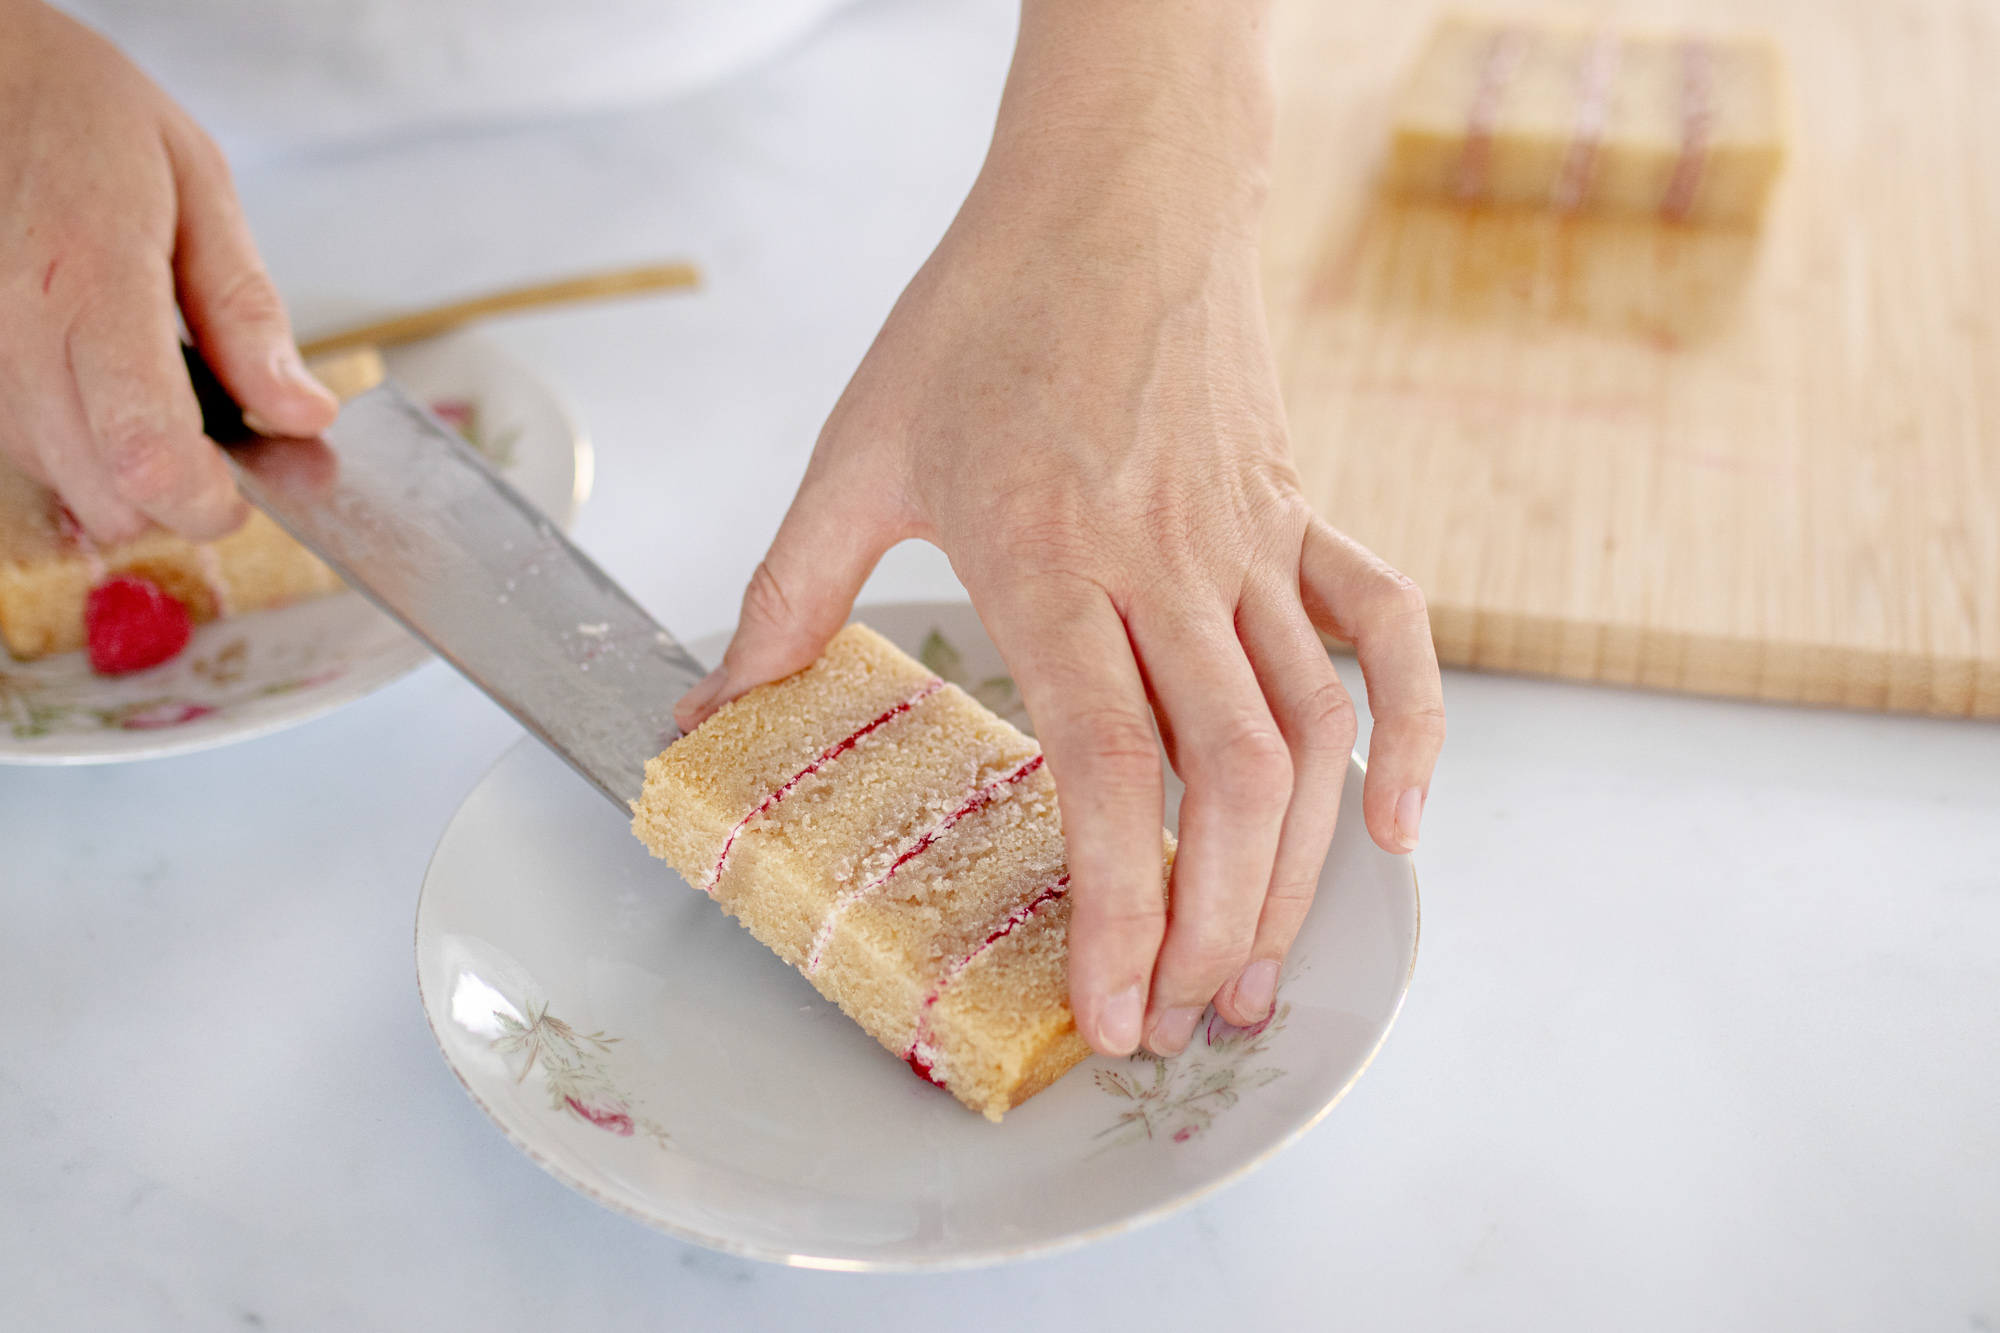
1076,400
113,207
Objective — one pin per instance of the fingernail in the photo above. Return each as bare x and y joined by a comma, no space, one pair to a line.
1172,1030
697,698
1409,814
293,370
1118,1021
1257,990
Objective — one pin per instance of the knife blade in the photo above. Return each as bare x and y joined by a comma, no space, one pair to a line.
417,521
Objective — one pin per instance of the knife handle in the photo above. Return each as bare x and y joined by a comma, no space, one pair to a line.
221,419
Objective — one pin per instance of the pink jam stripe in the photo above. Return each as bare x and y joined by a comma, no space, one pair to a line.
922,1056
1504,56
980,798
1014,919
832,753
1697,126
1593,106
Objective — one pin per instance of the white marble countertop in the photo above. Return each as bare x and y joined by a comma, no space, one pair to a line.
1704,1027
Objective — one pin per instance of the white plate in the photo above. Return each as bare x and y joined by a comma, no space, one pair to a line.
643,1049
268,670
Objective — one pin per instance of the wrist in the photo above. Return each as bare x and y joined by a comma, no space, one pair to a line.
1158,114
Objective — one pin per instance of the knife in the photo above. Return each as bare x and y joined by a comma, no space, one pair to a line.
417,521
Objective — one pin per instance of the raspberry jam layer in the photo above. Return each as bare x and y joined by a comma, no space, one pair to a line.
981,798
923,1056
832,753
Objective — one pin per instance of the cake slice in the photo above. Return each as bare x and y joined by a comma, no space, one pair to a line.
900,845
48,567
1592,121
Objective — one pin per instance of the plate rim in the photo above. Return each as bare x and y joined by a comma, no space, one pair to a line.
828,1263
583,476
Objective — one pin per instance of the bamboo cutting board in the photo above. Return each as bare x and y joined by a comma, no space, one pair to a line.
1765,466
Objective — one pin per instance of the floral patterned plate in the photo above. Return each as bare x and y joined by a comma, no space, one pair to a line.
643,1049
259,673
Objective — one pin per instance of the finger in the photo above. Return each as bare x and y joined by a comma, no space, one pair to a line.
61,455
72,469
1313,711
1238,770
801,593
124,352
1350,593
232,308
1067,649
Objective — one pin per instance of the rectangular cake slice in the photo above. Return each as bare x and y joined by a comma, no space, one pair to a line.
1592,121
900,845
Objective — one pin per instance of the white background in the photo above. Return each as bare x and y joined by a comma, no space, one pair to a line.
1705,1024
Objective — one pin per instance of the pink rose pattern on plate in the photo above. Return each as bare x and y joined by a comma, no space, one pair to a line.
573,1070
31,706
1186,1093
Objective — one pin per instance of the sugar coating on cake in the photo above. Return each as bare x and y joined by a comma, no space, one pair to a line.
901,846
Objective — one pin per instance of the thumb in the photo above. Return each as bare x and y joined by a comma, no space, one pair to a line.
801,594
232,308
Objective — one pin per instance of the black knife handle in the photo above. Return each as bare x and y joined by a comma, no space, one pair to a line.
221,418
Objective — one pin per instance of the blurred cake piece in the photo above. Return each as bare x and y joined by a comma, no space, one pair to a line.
349,373
1686,129
48,567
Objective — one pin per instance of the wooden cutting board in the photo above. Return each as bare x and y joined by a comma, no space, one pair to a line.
1765,466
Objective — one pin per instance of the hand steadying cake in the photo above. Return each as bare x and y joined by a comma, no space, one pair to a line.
1074,399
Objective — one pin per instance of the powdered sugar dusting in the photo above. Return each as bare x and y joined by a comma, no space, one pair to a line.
980,798
924,1056
832,753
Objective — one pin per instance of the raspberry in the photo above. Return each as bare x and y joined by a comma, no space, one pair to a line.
133,625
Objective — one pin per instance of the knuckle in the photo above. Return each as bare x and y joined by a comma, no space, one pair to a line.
765,602
116,530
1427,722
1118,741
1249,765
1213,949
1396,596
1326,720
202,150
1419,721
1138,919
151,472
105,518
143,461
249,297
1291,895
